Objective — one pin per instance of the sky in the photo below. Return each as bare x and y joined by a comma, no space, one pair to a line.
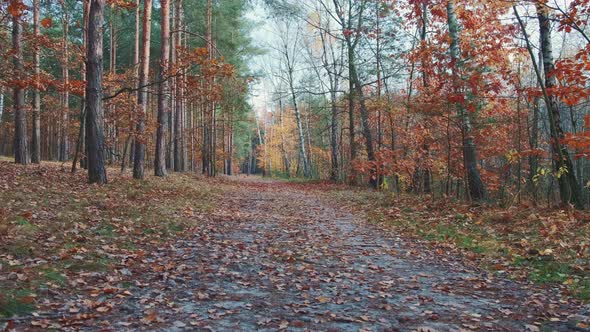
263,36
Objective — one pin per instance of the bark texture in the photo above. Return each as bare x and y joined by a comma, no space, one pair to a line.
94,108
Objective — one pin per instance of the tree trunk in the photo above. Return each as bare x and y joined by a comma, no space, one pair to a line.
20,121
64,137
352,134
94,110
569,188
477,189
81,142
36,139
160,160
286,162
302,153
178,134
364,115
140,144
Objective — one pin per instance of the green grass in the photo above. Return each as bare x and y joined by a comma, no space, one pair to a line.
176,227
18,250
51,275
12,303
93,264
492,237
106,230
25,225
544,269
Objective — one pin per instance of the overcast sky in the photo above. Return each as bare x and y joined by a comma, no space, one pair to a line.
263,35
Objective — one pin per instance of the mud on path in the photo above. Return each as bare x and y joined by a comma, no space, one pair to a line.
276,257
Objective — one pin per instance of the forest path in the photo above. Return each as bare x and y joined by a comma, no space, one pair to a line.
277,257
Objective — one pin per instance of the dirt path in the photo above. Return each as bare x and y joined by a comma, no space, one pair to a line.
276,257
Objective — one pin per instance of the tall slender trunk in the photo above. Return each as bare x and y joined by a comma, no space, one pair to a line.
94,108
172,87
351,121
178,134
332,71
477,189
136,64
36,139
425,172
113,129
21,155
163,109
81,142
569,188
533,145
140,144
302,153
209,111
128,147
230,158
286,162
374,178
64,137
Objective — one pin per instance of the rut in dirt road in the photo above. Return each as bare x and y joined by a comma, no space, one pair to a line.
276,257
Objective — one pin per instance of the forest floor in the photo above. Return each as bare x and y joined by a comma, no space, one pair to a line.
185,253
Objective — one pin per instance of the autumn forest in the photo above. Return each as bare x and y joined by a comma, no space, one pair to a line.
332,165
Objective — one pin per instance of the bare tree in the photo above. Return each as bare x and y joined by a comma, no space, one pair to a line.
290,43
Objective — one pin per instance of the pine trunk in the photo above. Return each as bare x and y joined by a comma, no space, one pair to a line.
20,121
36,139
94,108
140,144
163,106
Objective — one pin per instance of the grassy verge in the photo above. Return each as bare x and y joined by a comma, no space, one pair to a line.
56,230
545,246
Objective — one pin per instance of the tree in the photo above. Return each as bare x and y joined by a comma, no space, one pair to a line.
94,108
21,154
569,188
179,148
350,19
63,129
36,138
288,52
140,146
160,160
331,62
477,190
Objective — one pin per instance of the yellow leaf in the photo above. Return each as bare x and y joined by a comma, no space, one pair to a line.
322,299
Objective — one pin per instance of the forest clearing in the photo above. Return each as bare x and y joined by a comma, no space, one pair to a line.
302,165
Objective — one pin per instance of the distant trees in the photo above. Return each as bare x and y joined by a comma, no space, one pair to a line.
125,113
444,100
